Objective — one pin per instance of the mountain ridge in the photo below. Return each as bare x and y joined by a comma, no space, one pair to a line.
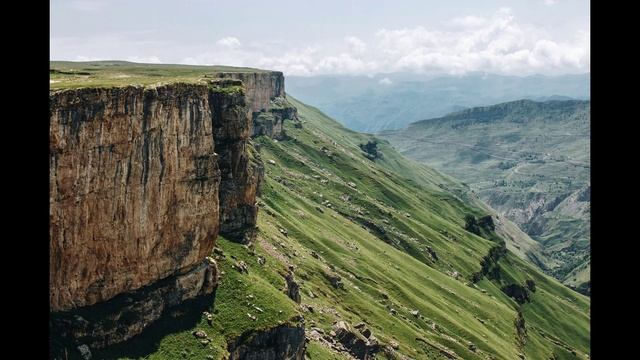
526,159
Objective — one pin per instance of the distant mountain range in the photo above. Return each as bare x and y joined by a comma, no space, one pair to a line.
392,101
528,160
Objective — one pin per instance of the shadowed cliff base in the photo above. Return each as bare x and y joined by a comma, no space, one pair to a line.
177,319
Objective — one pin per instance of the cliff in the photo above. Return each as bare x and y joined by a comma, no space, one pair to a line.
142,180
269,106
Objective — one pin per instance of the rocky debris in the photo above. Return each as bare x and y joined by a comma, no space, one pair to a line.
209,317
286,341
393,311
241,266
352,184
284,231
334,279
261,260
311,294
521,330
293,288
345,197
357,344
272,162
200,335
455,275
219,252
394,345
415,313
85,352
252,317
472,347
315,255
319,209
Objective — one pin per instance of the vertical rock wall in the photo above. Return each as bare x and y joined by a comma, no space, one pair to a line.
142,180
134,184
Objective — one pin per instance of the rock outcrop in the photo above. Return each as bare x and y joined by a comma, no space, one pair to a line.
269,105
134,182
142,181
240,167
361,344
284,342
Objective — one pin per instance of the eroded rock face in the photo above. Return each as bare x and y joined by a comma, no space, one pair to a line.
134,184
284,342
268,104
261,87
128,314
142,181
240,166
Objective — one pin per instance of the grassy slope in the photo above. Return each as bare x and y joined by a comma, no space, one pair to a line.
526,151
389,189
68,74
417,207
377,275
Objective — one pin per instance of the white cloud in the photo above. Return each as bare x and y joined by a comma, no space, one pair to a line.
550,2
385,81
229,42
355,44
499,43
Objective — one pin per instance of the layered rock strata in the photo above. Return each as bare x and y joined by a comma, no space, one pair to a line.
240,167
134,187
142,180
269,105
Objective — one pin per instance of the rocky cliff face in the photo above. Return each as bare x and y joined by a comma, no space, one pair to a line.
269,106
284,342
142,180
240,167
134,184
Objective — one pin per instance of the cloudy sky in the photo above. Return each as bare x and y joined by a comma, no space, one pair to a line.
516,37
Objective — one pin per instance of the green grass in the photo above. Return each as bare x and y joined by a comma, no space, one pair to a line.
397,265
70,75
516,155
376,243
232,304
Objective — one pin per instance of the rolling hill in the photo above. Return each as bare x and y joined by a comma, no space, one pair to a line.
530,161
392,101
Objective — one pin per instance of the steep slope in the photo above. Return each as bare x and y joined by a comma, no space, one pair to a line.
142,179
380,242
365,254
392,101
528,160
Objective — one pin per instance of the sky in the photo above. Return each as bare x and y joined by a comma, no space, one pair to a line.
355,37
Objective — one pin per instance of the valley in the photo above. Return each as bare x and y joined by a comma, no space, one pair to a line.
528,160
318,242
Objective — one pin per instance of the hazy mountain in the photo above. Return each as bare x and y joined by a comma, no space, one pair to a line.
530,161
392,101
